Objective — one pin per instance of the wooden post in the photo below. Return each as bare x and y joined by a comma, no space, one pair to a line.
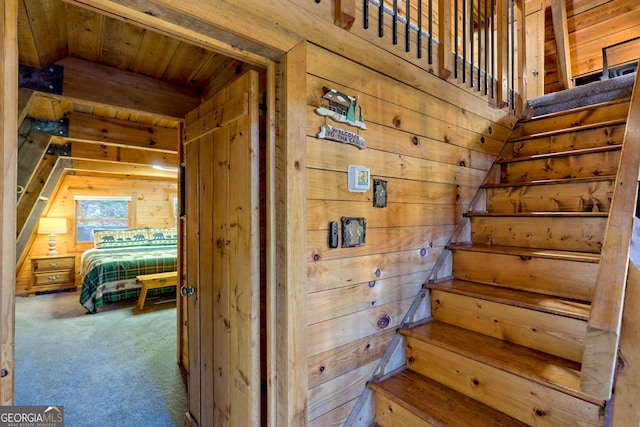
291,372
521,64
445,50
502,56
345,13
9,161
626,406
559,17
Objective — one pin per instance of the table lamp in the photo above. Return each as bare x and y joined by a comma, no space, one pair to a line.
52,226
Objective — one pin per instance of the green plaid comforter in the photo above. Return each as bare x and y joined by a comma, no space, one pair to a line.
110,274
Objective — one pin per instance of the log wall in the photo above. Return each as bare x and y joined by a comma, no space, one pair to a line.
151,206
433,155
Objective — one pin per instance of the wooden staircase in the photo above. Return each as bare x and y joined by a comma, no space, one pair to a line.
505,340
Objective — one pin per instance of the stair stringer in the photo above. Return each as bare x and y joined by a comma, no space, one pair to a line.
394,357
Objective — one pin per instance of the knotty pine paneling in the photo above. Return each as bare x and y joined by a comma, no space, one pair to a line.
433,154
593,25
152,205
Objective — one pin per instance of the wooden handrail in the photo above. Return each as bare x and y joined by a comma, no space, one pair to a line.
603,332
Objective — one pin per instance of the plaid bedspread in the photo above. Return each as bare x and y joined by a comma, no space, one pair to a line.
110,274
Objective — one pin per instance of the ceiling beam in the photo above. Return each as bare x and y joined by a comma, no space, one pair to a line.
99,168
100,85
123,133
108,153
192,28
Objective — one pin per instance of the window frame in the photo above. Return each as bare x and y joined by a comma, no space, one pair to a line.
80,197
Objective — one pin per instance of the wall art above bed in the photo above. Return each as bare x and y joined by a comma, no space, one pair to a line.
145,236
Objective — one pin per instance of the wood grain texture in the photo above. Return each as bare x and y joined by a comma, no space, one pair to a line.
9,161
565,120
585,234
518,397
600,354
410,399
527,272
291,387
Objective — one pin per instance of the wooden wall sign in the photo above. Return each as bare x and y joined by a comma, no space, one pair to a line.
341,107
341,135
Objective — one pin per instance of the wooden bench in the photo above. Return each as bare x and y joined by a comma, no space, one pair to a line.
155,281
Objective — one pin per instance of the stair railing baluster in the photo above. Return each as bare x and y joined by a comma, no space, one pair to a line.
430,27
381,18
365,13
407,28
394,25
419,31
456,39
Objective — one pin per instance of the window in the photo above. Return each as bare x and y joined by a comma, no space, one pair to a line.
100,213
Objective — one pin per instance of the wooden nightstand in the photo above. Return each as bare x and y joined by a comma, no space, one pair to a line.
52,273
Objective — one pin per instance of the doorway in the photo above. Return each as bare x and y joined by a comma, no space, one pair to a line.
265,71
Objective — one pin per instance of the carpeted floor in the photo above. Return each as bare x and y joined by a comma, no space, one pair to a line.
580,96
113,368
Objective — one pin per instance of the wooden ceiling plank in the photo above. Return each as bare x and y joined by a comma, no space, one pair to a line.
186,63
120,44
103,130
85,33
91,83
109,153
48,26
27,52
191,28
155,54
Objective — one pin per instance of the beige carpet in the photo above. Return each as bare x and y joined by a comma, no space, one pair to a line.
112,368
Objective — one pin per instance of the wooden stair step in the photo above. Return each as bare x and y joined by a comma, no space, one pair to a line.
562,274
581,232
570,195
544,156
408,399
593,114
598,136
556,132
545,369
550,181
569,164
557,214
529,320
527,252
518,298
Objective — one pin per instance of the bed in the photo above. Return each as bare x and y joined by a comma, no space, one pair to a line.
109,270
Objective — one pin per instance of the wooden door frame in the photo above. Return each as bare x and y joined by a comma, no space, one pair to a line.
286,383
9,161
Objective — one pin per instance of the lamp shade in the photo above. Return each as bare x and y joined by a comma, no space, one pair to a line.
52,226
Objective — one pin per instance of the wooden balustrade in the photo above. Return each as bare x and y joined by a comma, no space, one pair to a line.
478,43
603,333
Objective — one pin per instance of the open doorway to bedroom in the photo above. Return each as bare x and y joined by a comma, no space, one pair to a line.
106,123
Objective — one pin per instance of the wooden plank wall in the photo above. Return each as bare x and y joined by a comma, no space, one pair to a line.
592,25
433,156
152,206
